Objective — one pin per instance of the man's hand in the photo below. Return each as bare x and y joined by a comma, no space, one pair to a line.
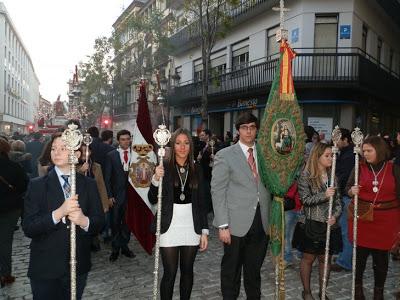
78,218
69,205
225,236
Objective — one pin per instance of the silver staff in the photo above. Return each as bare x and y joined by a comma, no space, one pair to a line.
87,140
73,139
336,136
212,144
357,138
161,137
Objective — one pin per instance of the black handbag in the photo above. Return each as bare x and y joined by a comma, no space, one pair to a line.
315,230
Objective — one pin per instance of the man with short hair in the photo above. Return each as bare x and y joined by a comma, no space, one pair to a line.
107,137
241,208
344,166
99,149
116,179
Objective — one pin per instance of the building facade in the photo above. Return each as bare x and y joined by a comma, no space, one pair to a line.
19,84
346,71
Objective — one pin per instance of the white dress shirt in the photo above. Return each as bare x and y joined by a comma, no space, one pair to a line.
121,151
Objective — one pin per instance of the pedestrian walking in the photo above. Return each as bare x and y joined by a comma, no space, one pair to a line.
49,209
116,178
344,166
13,183
35,148
184,226
241,208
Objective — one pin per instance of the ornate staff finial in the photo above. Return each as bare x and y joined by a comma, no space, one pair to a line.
282,33
357,138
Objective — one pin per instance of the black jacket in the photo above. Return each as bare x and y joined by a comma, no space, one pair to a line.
199,209
11,197
100,151
344,166
50,245
115,178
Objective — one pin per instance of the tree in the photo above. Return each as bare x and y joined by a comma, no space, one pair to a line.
148,47
211,21
96,78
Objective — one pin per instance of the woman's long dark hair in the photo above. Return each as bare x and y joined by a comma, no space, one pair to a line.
192,177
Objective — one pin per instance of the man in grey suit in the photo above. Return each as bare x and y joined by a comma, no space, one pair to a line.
241,206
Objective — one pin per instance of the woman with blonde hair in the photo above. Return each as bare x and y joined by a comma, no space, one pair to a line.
310,236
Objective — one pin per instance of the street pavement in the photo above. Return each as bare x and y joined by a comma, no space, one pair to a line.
133,278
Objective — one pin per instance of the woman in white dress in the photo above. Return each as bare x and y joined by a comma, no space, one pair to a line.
184,226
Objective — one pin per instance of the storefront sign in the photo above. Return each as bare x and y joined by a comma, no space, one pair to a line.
247,103
322,125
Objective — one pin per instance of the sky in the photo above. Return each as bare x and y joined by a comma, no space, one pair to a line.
58,34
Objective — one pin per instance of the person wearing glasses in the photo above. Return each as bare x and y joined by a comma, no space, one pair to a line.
241,208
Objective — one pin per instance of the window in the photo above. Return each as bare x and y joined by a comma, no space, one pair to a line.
364,38
218,65
240,58
273,45
379,50
178,75
198,71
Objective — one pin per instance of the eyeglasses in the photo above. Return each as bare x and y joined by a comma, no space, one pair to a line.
246,128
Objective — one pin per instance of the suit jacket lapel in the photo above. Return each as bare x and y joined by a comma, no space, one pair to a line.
55,194
118,161
243,164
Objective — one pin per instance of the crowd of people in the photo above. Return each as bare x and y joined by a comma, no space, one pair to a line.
202,175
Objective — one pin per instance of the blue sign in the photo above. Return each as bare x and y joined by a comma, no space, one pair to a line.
295,35
345,32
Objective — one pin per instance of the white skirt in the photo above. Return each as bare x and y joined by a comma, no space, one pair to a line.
181,231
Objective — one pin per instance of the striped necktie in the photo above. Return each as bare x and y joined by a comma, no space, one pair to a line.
252,164
66,186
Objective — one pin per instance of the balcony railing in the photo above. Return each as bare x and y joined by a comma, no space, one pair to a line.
189,36
124,109
336,67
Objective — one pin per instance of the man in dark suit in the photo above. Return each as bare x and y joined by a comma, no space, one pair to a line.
49,209
241,208
35,148
116,179
99,149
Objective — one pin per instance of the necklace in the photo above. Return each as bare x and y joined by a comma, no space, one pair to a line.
375,182
183,182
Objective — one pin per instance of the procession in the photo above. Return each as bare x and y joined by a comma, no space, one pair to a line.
296,196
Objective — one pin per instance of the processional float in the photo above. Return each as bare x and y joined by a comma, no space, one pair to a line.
73,139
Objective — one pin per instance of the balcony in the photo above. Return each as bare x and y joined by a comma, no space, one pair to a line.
312,67
189,36
124,110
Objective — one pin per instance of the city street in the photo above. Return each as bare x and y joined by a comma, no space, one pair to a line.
133,278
